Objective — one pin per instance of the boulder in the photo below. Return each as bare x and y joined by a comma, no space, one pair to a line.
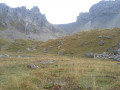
83,44
59,47
53,60
28,49
4,56
32,66
50,46
73,63
1,56
46,62
104,54
100,36
44,50
119,45
60,53
111,56
89,54
117,58
19,56
110,49
115,52
118,51
108,37
100,42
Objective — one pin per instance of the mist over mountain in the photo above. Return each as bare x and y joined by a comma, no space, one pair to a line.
21,23
103,15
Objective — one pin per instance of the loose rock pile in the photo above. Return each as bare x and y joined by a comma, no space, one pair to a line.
104,55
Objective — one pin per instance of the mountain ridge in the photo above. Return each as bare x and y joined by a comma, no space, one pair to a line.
103,15
27,24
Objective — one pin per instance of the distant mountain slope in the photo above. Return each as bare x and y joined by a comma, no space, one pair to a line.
85,41
77,44
103,15
21,23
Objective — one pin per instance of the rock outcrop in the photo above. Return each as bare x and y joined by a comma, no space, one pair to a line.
103,15
21,23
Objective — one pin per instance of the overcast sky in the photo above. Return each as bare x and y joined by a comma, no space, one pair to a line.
56,11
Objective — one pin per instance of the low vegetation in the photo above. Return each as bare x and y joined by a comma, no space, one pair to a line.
79,43
57,72
65,73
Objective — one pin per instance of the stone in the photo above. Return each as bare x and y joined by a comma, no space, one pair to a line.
73,63
3,47
110,49
53,60
100,36
46,62
119,45
83,44
44,50
7,56
4,56
60,53
104,54
111,56
118,51
32,66
19,56
1,56
89,54
50,46
108,37
59,47
117,58
56,65
100,42
115,52
28,49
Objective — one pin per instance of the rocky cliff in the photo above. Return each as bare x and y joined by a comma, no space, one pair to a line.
21,23
105,14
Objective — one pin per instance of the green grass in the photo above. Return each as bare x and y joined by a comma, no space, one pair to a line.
19,45
72,44
84,74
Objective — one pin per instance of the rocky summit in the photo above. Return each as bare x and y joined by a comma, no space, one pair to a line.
103,15
21,23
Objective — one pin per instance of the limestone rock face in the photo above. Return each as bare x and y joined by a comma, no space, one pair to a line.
30,24
103,15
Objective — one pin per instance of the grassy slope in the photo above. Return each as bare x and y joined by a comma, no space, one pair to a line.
18,45
84,74
72,44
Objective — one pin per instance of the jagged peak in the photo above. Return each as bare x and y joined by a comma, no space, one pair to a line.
35,9
108,0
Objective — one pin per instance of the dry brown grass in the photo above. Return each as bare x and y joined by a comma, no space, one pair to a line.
68,72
